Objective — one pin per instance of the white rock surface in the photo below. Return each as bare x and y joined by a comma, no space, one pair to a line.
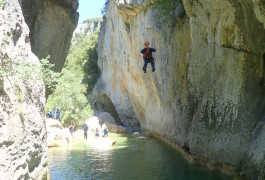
23,148
56,134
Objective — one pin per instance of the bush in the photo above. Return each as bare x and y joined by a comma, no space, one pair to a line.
25,72
2,3
165,10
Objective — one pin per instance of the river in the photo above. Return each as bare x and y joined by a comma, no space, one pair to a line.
129,158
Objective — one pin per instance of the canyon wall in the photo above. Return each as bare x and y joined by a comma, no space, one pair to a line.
44,27
51,24
23,148
207,92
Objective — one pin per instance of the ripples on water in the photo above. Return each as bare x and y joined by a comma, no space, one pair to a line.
129,158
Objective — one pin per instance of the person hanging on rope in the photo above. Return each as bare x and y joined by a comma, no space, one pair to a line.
148,57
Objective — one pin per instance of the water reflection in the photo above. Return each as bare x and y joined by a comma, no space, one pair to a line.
129,158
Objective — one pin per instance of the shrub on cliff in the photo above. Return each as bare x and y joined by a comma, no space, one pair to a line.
168,11
26,72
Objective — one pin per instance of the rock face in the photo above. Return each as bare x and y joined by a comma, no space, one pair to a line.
106,117
23,148
51,24
208,89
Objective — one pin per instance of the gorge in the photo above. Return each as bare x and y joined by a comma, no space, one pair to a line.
207,94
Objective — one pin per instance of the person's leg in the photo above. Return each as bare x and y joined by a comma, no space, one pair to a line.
145,65
153,65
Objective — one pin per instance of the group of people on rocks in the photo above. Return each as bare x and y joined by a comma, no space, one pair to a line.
54,115
102,105
103,132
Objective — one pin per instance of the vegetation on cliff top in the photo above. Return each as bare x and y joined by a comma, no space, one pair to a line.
79,76
166,10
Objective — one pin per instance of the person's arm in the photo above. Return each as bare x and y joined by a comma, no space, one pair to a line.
152,49
143,51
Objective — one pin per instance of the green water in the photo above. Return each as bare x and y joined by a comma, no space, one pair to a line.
129,158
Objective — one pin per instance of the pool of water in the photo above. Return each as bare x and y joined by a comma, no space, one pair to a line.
129,158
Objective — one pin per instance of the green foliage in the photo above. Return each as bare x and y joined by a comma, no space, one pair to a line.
165,9
4,71
2,3
79,76
49,76
90,66
26,71
69,96
92,20
20,111
19,94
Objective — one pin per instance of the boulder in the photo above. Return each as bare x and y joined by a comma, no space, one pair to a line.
106,118
136,134
93,123
56,134
115,128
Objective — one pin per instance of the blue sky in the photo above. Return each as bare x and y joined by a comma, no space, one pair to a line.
90,9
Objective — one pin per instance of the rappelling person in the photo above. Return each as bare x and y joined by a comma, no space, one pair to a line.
148,57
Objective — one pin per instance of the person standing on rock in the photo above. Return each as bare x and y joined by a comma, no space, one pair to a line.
97,133
50,114
85,129
57,114
95,105
105,132
103,106
148,57
71,130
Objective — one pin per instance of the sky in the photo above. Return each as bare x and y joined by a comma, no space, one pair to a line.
90,9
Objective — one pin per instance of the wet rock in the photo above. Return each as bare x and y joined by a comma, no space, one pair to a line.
115,128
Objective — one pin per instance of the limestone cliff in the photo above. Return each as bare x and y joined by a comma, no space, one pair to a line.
51,24
207,92
44,27
23,148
